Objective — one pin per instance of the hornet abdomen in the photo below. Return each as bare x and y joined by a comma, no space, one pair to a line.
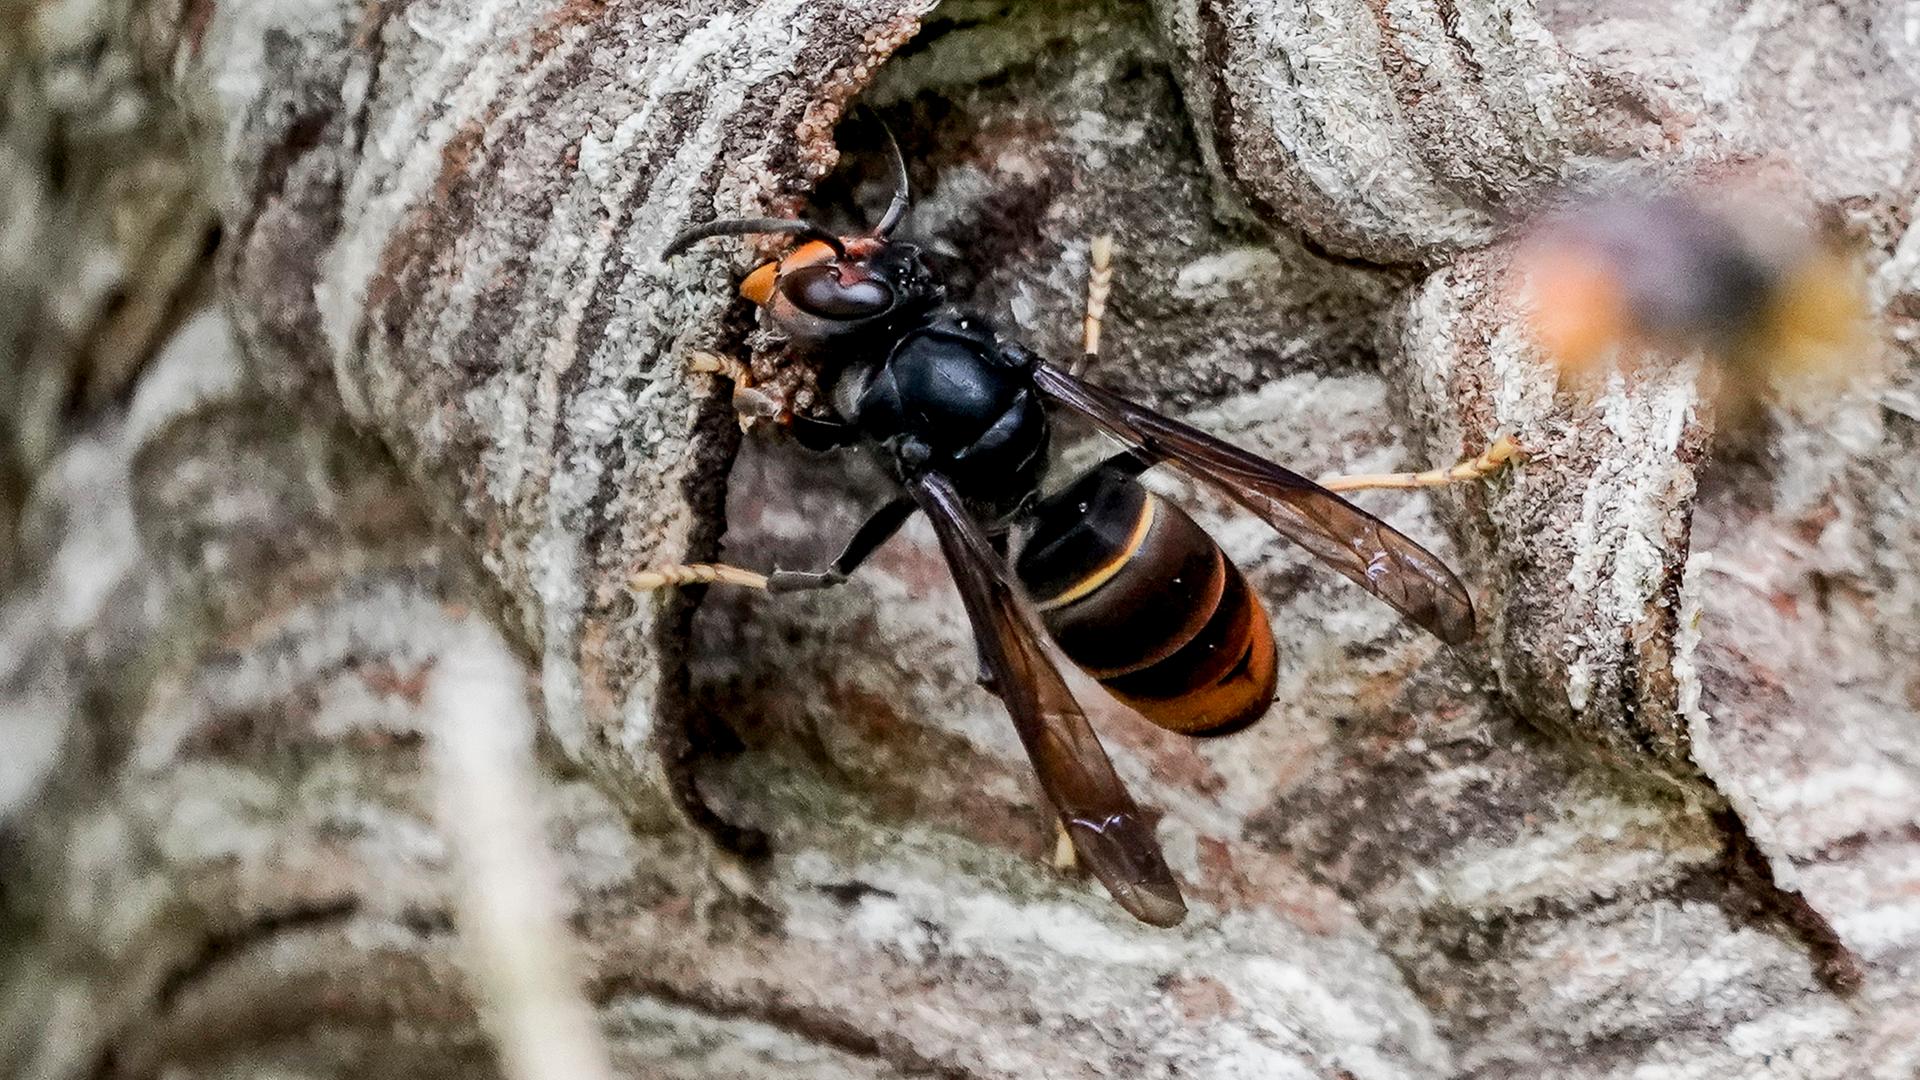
1143,600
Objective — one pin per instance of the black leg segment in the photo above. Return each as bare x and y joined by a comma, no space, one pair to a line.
876,531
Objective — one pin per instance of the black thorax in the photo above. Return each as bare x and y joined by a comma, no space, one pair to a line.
949,397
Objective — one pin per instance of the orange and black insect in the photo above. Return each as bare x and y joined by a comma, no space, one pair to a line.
1140,597
1126,584
1760,293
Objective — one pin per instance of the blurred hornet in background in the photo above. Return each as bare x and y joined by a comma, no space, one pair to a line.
1728,274
1126,584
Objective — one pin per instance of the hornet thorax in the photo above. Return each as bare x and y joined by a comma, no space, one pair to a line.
950,398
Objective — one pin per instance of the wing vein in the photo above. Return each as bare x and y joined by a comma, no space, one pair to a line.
1365,549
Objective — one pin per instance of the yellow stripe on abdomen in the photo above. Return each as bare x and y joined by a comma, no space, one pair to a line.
1103,573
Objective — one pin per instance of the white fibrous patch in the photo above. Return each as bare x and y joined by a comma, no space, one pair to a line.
1871,783
1428,332
1620,539
1022,307
34,713
1576,855
601,851
983,922
1213,276
100,544
1784,1031
1881,927
637,720
504,460
199,364
554,562
1309,998
1523,386
598,415
1579,684
1686,656
1093,133
1640,564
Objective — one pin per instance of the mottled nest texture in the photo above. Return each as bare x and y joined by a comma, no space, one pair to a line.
340,354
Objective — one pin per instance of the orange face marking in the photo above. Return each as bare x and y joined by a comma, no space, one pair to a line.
807,254
758,286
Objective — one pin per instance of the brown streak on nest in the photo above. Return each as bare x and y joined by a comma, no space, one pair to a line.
1449,12
1845,847
221,945
195,18
1653,652
391,679
1398,68
422,243
809,1023
571,14
1747,873
305,134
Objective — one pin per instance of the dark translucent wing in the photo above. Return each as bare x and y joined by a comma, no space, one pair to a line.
1376,556
1108,831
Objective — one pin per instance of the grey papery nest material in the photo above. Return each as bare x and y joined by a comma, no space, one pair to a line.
1657,820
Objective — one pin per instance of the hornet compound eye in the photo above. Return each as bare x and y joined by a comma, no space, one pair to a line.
818,290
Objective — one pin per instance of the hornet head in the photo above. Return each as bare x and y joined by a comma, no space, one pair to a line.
831,287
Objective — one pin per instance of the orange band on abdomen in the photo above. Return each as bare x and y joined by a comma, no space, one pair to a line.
1219,682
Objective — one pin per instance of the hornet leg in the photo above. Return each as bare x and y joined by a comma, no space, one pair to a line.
883,524
753,405
1503,451
750,403
1066,858
1099,288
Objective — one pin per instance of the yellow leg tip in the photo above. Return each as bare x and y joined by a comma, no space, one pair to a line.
1065,858
670,577
702,362
1504,451
1099,288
